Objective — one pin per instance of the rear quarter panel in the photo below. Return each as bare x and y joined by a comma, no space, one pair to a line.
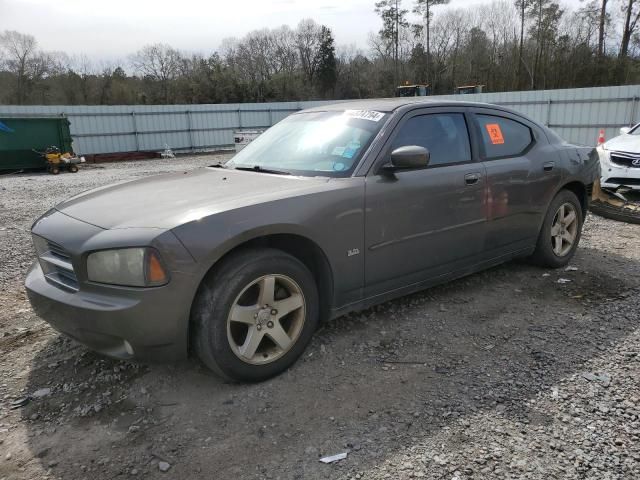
579,164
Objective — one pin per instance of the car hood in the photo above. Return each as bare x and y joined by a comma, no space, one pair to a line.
166,201
624,143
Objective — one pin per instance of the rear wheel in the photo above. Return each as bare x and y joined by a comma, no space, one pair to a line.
54,170
560,232
255,314
73,168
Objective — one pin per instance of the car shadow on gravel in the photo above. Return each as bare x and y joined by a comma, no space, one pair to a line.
374,383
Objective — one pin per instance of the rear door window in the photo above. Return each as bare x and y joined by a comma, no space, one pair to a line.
503,137
445,135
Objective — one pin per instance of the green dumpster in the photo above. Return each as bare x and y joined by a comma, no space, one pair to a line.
20,136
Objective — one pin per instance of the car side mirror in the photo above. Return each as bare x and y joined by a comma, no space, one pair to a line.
409,157
625,130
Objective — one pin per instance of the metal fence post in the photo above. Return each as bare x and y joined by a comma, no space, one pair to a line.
632,118
548,112
189,130
135,130
239,118
270,117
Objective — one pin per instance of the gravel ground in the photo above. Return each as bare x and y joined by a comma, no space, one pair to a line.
503,374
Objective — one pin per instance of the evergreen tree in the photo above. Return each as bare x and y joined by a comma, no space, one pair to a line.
327,67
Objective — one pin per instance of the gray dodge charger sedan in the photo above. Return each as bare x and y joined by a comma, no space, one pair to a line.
334,209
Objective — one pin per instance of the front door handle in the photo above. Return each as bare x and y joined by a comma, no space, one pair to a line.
548,166
471,178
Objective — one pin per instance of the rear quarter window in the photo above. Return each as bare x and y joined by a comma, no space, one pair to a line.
503,137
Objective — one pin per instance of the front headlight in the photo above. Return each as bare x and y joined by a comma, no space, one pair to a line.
130,267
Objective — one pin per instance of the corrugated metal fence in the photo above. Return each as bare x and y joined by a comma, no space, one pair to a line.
130,128
575,114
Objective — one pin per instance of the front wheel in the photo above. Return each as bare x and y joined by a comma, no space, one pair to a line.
560,232
254,316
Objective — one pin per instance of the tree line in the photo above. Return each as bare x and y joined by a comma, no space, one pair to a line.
525,45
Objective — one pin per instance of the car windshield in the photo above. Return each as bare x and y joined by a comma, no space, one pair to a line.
313,143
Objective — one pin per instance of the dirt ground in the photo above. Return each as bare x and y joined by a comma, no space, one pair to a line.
510,373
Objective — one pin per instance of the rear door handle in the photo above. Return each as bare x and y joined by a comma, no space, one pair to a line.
548,166
471,178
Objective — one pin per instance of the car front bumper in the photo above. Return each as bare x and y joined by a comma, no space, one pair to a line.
145,324
614,176
148,324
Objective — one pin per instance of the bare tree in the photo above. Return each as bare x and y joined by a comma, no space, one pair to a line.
499,22
20,57
251,61
308,36
596,11
46,65
631,12
255,57
84,68
458,23
356,73
285,58
159,62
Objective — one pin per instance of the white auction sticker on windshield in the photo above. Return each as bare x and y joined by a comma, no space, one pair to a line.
365,115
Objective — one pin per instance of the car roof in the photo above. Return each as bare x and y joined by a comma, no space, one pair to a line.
388,105
391,104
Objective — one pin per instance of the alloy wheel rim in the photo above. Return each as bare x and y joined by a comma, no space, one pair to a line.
266,319
564,229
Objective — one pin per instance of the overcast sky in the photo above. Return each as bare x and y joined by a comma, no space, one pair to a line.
112,29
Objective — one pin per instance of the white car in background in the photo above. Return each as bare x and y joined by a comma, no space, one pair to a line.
620,160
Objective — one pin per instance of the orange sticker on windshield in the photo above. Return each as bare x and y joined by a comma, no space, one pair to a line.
495,134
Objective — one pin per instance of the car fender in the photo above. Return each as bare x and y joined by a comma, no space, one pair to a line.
332,220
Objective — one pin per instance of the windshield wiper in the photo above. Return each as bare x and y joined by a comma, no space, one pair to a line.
258,168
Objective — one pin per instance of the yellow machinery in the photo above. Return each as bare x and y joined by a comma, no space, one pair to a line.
58,161
468,89
418,90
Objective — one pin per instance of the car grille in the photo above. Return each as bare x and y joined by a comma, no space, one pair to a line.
625,159
56,264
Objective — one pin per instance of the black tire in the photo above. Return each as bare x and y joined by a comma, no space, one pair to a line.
544,254
217,294
614,213
73,169
54,170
